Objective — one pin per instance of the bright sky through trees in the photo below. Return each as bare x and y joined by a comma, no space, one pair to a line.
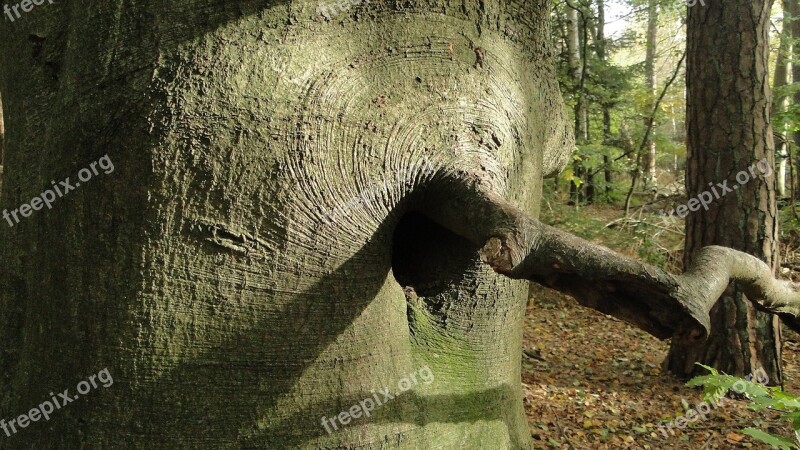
616,17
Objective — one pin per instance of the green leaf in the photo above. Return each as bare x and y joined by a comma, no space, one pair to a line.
795,421
779,442
716,385
701,380
790,404
712,370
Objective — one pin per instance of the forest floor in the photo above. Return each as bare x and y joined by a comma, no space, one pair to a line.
594,382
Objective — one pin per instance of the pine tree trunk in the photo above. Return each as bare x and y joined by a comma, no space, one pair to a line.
728,133
235,272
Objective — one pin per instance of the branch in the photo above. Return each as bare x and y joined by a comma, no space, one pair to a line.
663,304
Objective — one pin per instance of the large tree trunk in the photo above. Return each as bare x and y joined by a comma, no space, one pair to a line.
235,273
728,132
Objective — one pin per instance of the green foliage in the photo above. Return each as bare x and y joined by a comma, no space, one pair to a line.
781,443
617,99
790,225
649,251
639,239
715,382
789,118
761,397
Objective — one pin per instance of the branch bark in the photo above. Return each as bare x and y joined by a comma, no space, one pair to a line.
661,303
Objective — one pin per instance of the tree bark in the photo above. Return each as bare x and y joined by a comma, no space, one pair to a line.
728,131
295,220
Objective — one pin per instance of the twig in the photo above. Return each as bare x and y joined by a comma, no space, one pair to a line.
560,430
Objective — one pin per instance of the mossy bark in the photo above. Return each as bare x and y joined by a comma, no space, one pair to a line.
235,273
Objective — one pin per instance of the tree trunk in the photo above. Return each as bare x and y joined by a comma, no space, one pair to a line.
579,192
574,43
650,81
779,103
607,136
236,272
728,133
607,163
793,8
2,143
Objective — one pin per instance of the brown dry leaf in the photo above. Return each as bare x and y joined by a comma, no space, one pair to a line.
735,437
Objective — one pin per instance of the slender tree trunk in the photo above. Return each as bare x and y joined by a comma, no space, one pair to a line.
779,103
574,43
607,137
793,8
608,177
578,192
728,133
650,81
2,143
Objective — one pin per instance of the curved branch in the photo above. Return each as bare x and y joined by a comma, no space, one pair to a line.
714,267
646,296
661,303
